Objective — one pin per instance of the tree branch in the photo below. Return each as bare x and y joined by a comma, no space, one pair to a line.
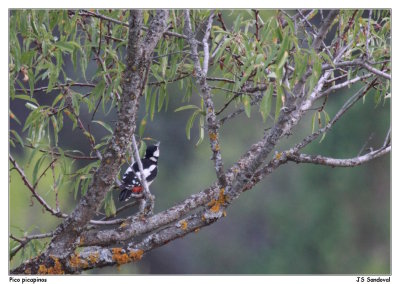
139,54
327,161
60,86
32,189
344,84
201,76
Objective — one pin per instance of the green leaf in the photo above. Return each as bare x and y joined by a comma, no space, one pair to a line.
313,122
19,139
27,98
284,46
98,91
189,123
186,107
142,148
247,105
153,104
109,205
161,97
271,56
282,61
266,102
32,117
327,58
53,76
105,125
31,81
259,58
246,74
142,126
201,130
55,128
36,168
57,99
13,116
65,46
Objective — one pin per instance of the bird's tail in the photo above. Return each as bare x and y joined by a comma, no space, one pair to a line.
124,194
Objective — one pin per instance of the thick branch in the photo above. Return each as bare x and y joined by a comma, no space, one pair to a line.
139,53
324,29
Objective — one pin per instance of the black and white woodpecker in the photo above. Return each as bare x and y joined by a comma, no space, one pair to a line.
131,180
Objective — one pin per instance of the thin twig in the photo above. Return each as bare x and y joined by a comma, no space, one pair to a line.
221,20
101,29
147,194
365,144
347,105
387,138
60,86
257,26
25,240
257,99
205,43
125,24
33,191
44,172
332,162
344,84
368,34
120,209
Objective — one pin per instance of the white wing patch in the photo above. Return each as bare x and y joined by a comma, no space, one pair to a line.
128,170
156,153
146,172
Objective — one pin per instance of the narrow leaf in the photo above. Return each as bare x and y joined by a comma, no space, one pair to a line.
105,125
266,102
186,107
246,105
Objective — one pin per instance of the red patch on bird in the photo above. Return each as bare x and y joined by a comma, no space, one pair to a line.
137,189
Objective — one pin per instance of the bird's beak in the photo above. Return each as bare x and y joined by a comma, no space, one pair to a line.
158,144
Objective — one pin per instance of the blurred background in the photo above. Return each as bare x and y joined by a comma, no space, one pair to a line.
302,219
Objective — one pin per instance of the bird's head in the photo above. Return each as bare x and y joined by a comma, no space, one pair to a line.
153,151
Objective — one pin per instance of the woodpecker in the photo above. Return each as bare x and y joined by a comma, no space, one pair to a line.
131,180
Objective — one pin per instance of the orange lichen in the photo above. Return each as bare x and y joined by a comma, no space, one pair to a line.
77,262
74,261
217,147
278,156
213,136
124,224
56,269
183,224
215,207
28,271
216,204
94,257
42,269
119,257
197,230
136,254
81,240
224,213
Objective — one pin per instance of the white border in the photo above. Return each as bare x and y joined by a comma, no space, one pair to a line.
196,4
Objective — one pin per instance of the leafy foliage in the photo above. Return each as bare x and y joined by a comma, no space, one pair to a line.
255,62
